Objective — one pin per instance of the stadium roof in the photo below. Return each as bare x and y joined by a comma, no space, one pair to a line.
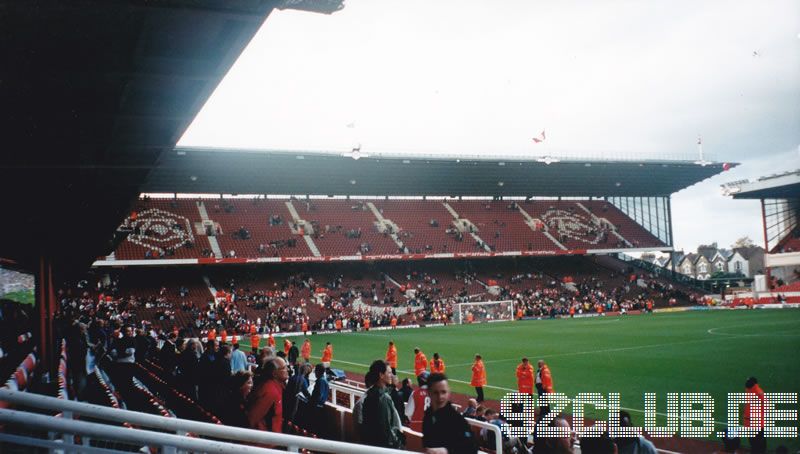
782,186
93,92
208,170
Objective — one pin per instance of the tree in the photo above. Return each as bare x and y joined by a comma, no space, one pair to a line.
744,241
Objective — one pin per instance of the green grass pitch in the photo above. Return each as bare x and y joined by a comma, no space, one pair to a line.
708,351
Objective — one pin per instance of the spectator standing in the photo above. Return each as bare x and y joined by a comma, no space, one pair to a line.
418,403
265,404
318,398
123,351
293,354
168,356
381,422
631,445
238,359
188,362
296,394
405,390
233,412
444,430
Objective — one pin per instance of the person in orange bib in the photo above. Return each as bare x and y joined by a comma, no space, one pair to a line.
437,365
305,351
287,345
393,322
525,377
338,325
212,334
304,328
478,377
391,357
520,314
223,334
470,317
754,415
270,340
420,362
544,381
254,341
327,355
366,324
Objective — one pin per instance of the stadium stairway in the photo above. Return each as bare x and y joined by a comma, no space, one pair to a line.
212,240
467,226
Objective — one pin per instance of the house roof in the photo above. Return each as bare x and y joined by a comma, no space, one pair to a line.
748,252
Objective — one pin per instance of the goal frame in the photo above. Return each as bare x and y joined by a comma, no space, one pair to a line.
461,310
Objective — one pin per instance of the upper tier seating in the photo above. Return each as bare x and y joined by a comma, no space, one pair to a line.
345,227
154,229
350,227
254,216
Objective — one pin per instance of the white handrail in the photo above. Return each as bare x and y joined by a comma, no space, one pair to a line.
176,425
498,435
141,437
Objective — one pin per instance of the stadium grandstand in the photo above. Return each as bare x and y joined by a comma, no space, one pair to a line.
779,195
174,289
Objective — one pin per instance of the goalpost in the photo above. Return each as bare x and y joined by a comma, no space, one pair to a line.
484,311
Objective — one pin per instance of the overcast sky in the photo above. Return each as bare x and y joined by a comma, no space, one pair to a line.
604,79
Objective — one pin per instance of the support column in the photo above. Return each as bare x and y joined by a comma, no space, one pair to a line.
46,302
766,245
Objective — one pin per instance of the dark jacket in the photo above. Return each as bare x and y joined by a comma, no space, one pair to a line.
381,422
446,428
296,386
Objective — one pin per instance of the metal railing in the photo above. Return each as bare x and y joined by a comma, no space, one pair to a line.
169,434
352,392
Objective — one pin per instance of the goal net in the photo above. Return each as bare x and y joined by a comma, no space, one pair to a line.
486,311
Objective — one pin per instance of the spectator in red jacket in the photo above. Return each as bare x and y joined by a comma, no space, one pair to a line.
265,403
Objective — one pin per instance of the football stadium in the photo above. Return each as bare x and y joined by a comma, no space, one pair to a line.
165,294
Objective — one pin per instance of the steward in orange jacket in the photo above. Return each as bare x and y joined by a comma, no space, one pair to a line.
478,377
420,362
525,377
544,381
305,351
270,340
391,357
254,341
287,345
327,355
754,415
437,365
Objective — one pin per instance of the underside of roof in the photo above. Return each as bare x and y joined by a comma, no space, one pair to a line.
91,94
783,186
205,170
